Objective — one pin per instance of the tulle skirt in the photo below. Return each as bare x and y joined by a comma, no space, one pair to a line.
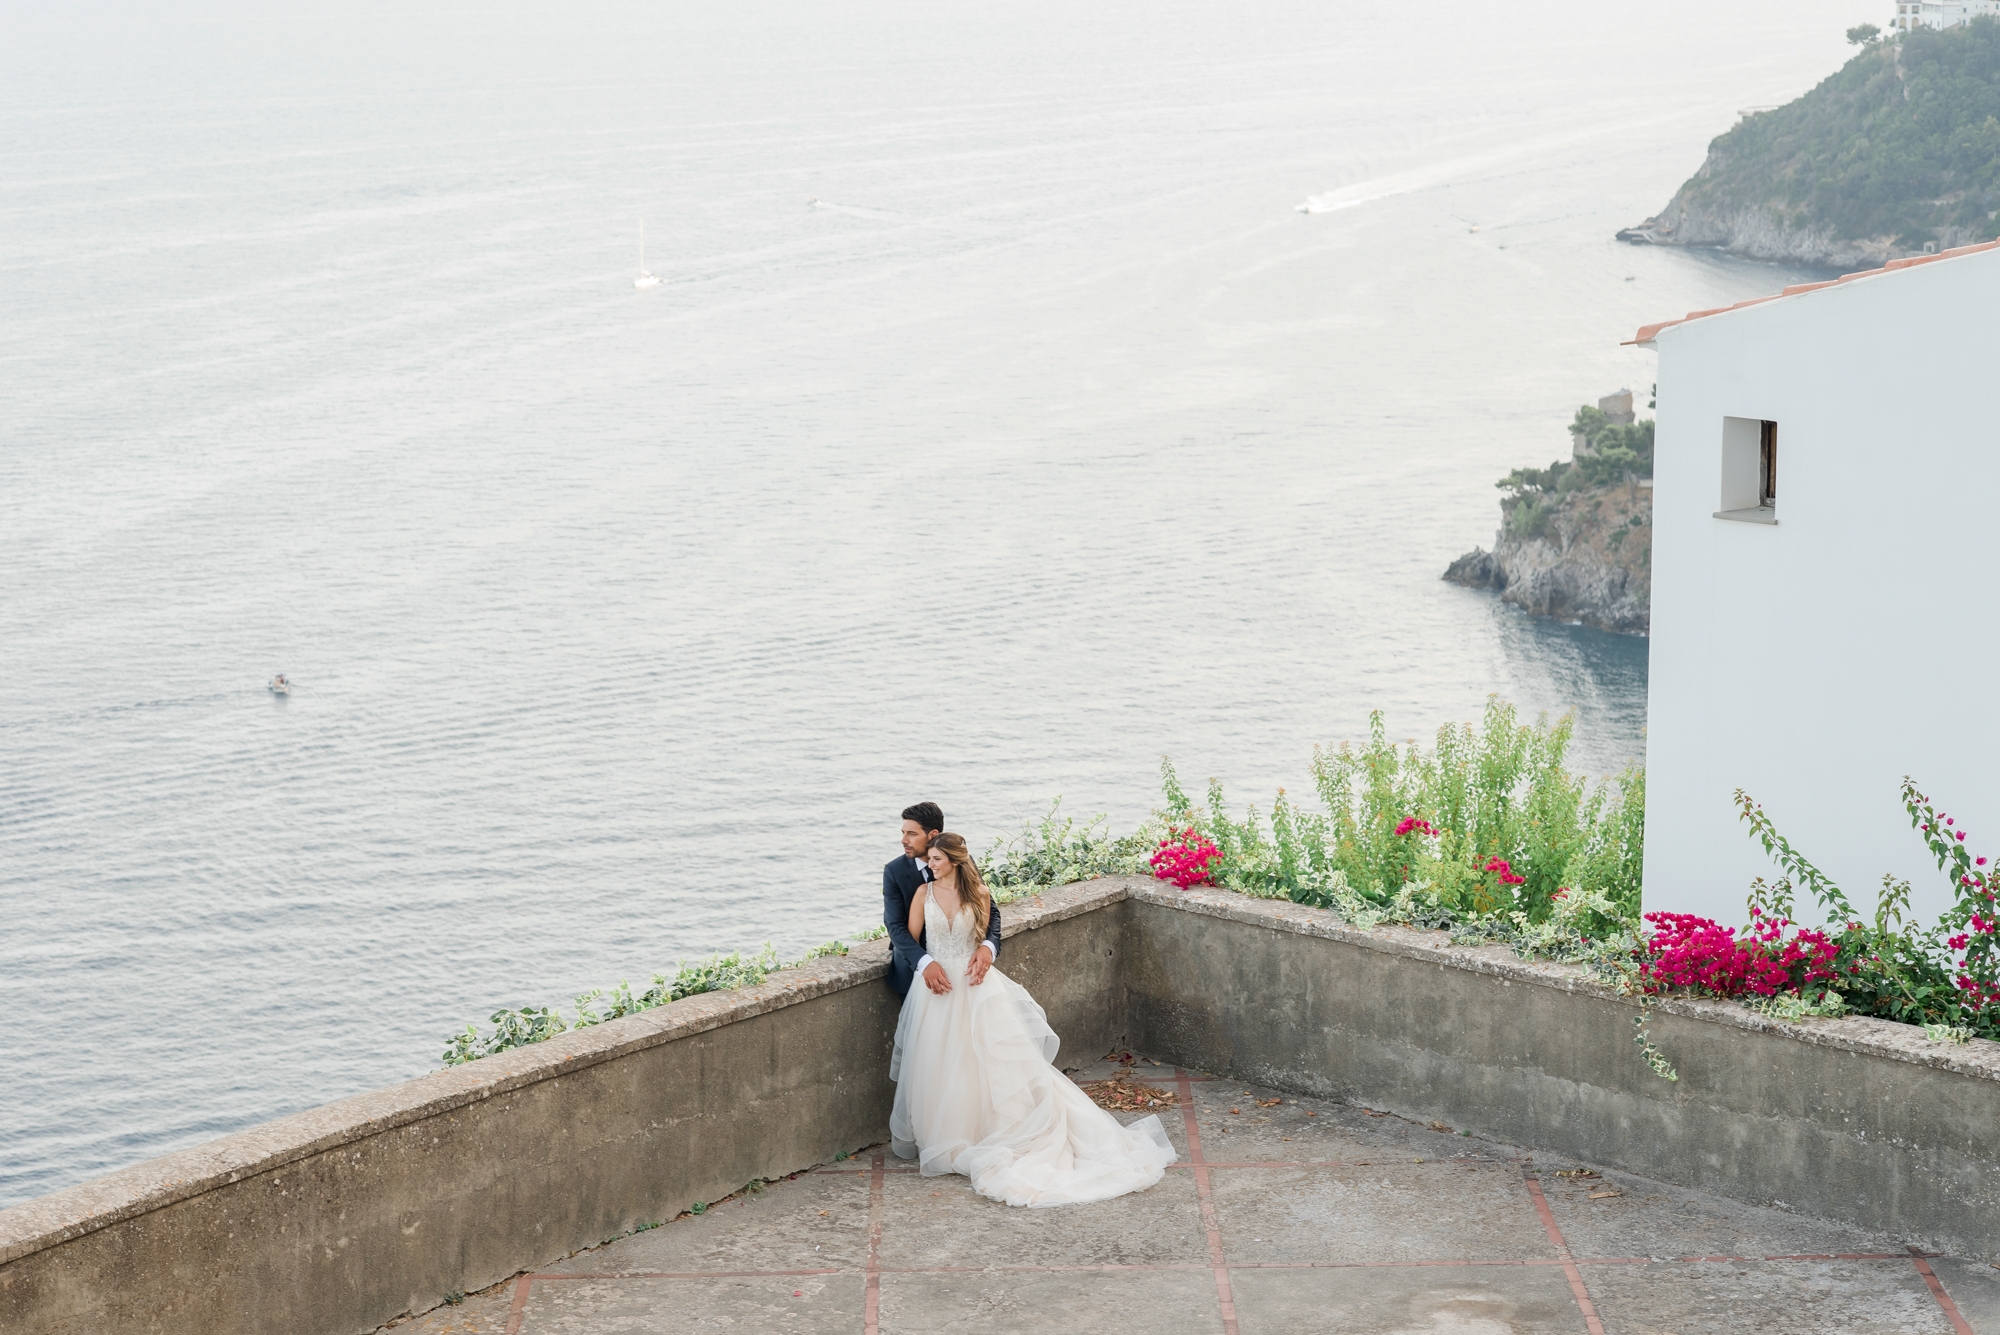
976,1093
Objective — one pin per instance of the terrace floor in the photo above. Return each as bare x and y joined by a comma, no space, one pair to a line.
1282,1216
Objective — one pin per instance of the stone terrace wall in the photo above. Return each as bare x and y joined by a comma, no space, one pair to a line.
1854,1119
337,1219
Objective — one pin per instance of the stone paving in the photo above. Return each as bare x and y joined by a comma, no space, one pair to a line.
1284,1215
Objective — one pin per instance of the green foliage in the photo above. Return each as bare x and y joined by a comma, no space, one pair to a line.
1527,517
1423,829
1862,33
1059,850
1530,481
1589,422
532,1024
1902,142
1622,452
1582,927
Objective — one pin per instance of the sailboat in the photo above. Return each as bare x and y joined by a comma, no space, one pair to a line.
645,279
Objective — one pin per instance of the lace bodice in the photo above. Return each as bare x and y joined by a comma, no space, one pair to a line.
948,940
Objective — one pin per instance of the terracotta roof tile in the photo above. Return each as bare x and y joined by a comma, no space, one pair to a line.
1647,333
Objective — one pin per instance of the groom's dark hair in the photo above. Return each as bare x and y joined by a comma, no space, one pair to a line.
928,816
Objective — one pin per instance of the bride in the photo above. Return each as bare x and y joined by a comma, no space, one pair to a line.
975,1091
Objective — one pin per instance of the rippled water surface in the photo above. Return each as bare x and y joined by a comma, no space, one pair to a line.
1053,438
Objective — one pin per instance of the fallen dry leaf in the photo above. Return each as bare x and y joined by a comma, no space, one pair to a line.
1269,1103
1604,1195
1576,1172
1312,1114
1236,1111
1440,1126
1123,1093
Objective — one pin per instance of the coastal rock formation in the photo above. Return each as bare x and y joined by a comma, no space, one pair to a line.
1897,153
1586,557
1758,232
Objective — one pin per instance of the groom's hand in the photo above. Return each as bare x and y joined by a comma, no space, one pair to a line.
935,979
982,960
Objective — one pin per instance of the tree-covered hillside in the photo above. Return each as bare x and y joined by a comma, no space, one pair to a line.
1899,148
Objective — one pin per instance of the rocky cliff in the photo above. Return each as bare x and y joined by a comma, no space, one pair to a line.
1583,556
1897,153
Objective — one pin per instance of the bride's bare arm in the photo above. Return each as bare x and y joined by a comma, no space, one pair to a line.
917,915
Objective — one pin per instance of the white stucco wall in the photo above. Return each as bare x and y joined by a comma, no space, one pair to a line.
1817,661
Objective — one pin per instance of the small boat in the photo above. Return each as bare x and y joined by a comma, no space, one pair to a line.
645,279
279,686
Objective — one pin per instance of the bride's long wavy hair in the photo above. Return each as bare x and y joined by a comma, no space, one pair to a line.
971,885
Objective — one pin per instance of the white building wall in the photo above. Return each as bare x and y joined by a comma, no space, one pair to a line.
1817,661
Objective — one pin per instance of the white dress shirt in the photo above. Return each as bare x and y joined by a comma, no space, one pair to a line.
992,952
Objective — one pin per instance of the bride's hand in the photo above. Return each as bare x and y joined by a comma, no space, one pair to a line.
982,960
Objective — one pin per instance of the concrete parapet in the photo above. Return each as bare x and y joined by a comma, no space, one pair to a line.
337,1219
340,1218
1856,1119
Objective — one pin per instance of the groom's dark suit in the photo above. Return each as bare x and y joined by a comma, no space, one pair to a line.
901,880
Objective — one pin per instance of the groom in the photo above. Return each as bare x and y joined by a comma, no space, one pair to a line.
902,880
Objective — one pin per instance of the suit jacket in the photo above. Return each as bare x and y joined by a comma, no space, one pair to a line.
901,880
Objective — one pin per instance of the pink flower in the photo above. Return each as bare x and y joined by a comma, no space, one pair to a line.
1184,857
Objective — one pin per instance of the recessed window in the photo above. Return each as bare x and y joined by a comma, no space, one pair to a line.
1767,465
1749,490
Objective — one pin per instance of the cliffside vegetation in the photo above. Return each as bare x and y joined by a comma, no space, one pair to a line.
1576,538
1622,454
1896,151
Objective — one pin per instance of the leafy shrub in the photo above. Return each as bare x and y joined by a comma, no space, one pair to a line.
1487,822
532,1024
1059,850
1527,517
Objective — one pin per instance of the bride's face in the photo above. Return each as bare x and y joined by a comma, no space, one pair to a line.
941,866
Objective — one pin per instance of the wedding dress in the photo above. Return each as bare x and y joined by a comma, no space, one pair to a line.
976,1092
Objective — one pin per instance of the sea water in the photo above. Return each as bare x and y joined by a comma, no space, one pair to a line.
1051,438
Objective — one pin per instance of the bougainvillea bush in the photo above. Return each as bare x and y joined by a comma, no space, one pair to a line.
1688,953
1184,857
1945,976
